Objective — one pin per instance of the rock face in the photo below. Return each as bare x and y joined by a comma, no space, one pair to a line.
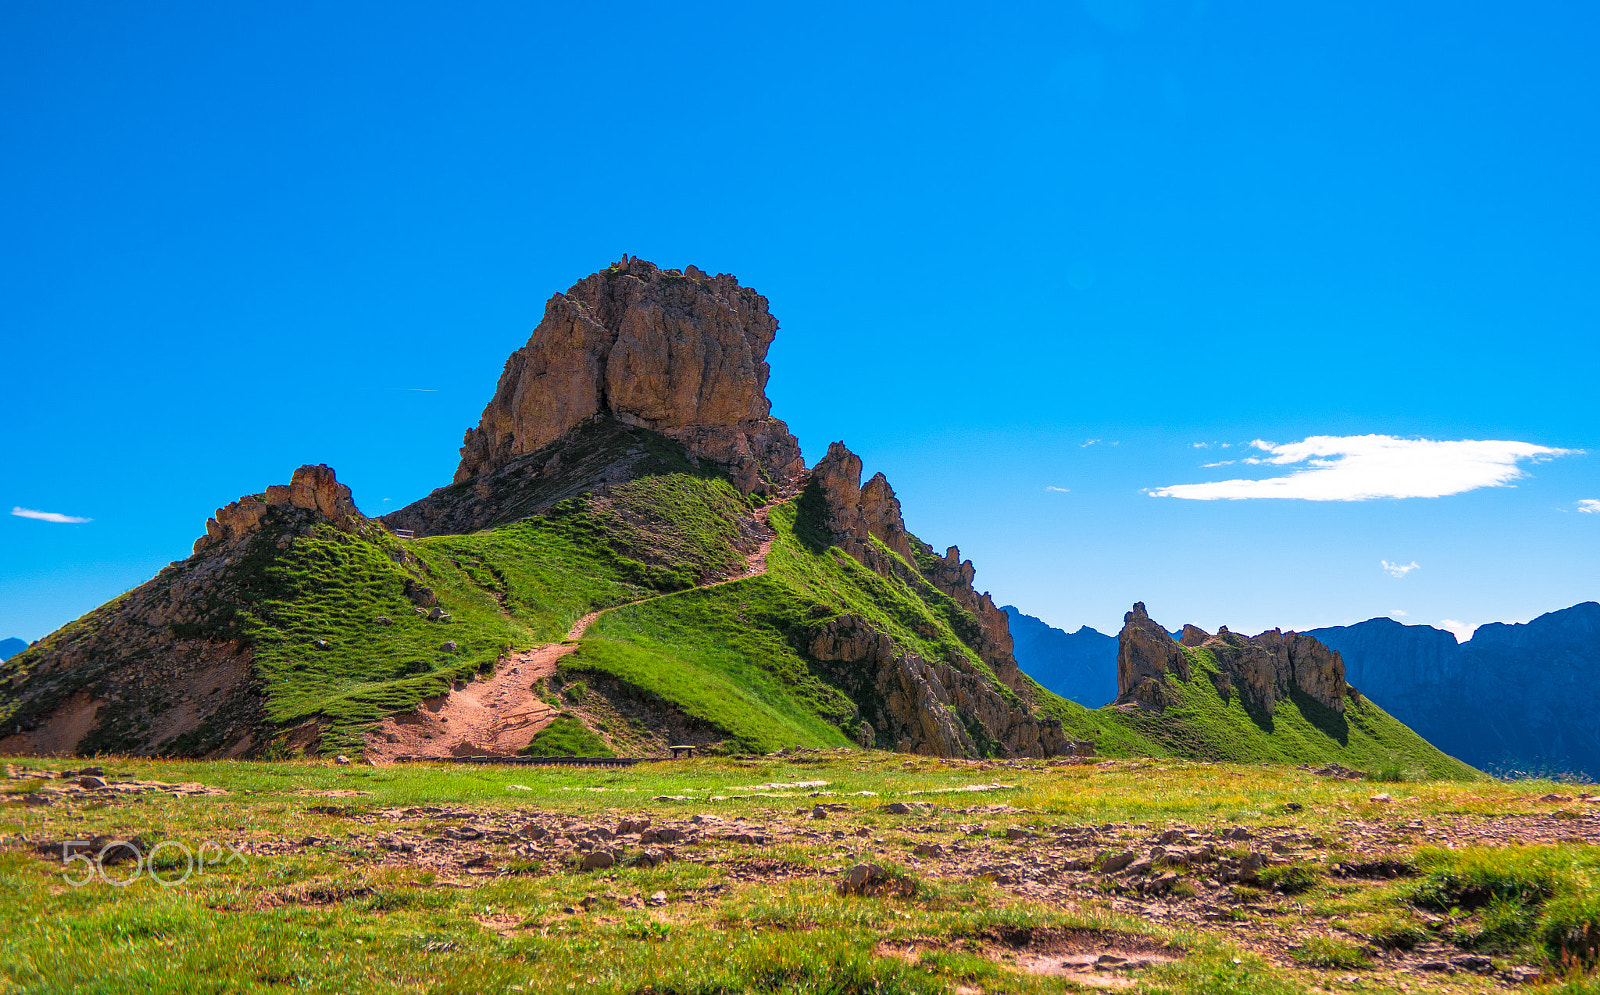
311,488
1514,697
929,708
1265,668
683,354
919,696
857,514
1146,653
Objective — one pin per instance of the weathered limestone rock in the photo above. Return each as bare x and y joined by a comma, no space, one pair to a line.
1193,635
1264,669
857,513
926,707
683,354
310,488
1145,652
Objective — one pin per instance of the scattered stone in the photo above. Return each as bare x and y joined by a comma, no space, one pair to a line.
1117,862
1293,807
598,860
1013,833
928,850
1381,799
323,644
1441,966
448,646
1555,798
627,826
819,812
384,620
1475,963
907,808
90,781
1237,833
342,760
1523,975
657,898
857,878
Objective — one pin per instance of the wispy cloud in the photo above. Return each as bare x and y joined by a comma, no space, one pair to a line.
49,516
1399,613
1202,445
1087,443
1398,569
1461,630
1060,490
1226,462
420,390
1590,505
1363,467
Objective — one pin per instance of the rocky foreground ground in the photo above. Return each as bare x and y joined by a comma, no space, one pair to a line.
1304,871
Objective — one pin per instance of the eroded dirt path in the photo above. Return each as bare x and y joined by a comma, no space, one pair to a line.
501,715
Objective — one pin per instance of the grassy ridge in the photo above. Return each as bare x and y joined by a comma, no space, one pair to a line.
506,588
1202,726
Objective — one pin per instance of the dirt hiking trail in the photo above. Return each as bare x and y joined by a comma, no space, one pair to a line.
501,715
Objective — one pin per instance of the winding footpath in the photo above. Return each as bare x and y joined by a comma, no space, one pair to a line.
501,715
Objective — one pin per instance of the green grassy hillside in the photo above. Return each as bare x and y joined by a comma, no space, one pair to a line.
1301,730
506,588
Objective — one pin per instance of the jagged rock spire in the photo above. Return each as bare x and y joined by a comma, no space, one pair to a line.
681,353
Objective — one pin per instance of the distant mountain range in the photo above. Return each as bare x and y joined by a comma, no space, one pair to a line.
1514,697
1081,666
11,647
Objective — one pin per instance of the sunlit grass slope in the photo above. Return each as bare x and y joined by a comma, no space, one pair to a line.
1202,726
508,587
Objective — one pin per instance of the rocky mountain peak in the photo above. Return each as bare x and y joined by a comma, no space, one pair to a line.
1266,668
682,353
312,488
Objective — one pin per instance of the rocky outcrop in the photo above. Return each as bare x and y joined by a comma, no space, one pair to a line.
1264,668
680,353
857,514
310,488
165,669
935,709
1146,653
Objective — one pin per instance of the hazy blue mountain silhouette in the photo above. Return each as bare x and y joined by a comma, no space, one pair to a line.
11,647
1079,665
1514,697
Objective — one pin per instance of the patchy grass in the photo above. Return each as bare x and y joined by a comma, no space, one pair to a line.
341,916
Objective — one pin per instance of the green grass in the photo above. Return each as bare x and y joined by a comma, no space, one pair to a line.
252,927
567,737
1202,726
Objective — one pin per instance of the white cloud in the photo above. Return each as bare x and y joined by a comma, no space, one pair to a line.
1398,569
49,516
1461,630
1060,490
1087,443
1399,613
1202,445
1590,505
1226,462
1363,467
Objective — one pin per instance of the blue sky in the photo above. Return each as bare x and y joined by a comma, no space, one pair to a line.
239,238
